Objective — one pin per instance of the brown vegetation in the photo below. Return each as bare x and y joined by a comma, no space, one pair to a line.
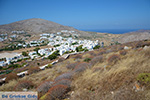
61,59
33,70
126,79
56,92
44,87
65,82
113,59
72,65
81,67
97,59
123,52
67,75
11,76
24,85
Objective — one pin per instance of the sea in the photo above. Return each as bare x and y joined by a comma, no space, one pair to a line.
113,31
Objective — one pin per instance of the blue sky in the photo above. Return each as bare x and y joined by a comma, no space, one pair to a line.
80,14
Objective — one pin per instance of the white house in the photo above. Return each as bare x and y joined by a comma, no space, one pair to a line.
65,31
2,63
58,33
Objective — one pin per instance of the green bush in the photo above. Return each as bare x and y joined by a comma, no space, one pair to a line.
56,53
79,48
87,59
24,53
53,55
36,49
14,66
96,47
49,66
57,45
86,50
144,78
19,60
74,43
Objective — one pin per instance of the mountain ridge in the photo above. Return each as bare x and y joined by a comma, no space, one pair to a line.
34,25
134,36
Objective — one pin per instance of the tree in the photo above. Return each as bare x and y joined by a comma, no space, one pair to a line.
53,55
36,49
96,47
79,48
24,53
14,66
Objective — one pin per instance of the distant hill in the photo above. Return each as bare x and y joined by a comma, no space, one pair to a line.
35,25
134,36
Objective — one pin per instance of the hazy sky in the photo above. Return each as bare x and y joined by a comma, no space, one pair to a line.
81,14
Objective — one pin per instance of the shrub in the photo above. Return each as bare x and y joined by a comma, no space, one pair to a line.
24,53
123,52
86,50
56,52
56,93
52,56
72,66
44,87
87,59
37,49
91,53
81,67
102,52
67,75
144,79
14,66
108,51
11,76
61,59
96,47
79,48
49,66
38,63
65,82
97,59
33,70
23,84
78,56
113,59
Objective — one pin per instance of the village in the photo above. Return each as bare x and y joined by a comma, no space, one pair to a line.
63,45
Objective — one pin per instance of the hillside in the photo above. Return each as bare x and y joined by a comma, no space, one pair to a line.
110,73
35,25
134,36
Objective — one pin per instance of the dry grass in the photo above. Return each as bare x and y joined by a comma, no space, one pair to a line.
24,85
11,76
113,59
101,81
9,86
44,87
102,84
56,93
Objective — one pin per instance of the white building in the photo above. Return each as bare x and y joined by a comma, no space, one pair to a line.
58,33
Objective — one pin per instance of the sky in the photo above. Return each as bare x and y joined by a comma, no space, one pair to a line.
80,14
